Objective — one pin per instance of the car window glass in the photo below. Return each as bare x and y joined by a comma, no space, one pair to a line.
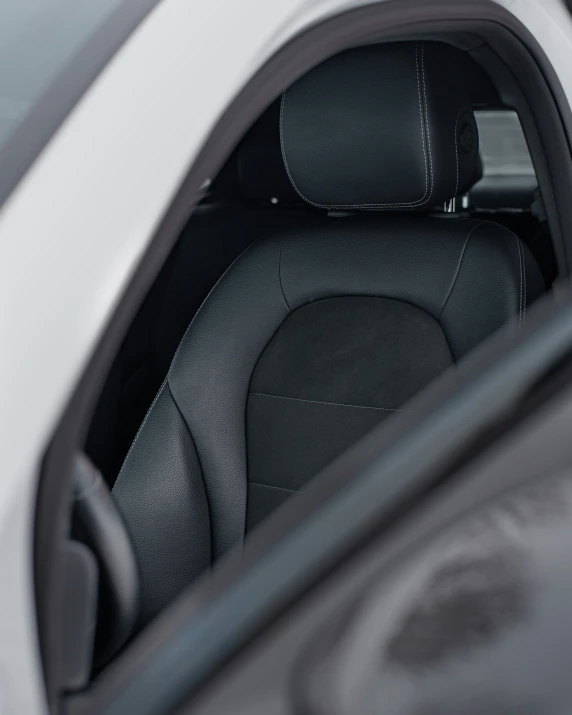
37,39
502,143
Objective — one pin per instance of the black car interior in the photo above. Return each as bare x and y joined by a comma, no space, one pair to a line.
347,254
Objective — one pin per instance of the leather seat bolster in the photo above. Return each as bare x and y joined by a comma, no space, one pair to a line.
222,345
497,278
161,494
469,275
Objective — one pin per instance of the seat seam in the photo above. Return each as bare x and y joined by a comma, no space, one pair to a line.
428,134
280,277
522,283
271,486
322,402
159,391
165,381
227,270
182,416
522,275
425,141
458,270
203,473
521,280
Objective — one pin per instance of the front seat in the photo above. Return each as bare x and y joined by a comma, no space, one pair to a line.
329,325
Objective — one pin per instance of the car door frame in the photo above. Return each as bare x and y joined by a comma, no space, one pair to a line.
295,57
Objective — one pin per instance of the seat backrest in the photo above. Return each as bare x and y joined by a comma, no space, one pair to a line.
330,323
249,198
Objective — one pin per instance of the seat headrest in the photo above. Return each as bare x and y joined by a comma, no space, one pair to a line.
384,127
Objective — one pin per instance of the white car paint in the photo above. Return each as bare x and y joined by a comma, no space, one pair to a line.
74,229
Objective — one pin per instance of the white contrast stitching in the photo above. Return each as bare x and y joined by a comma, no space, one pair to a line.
523,279
319,402
171,365
426,152
271,486
427,121
179,346
524,284
522,276
280,276
423,137
460,263
465,109
520,286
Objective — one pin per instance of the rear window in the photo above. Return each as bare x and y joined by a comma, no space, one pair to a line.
503,146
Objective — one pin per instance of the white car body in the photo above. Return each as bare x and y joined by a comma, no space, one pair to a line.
74,229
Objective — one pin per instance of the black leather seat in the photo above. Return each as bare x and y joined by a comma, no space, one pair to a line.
332,322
